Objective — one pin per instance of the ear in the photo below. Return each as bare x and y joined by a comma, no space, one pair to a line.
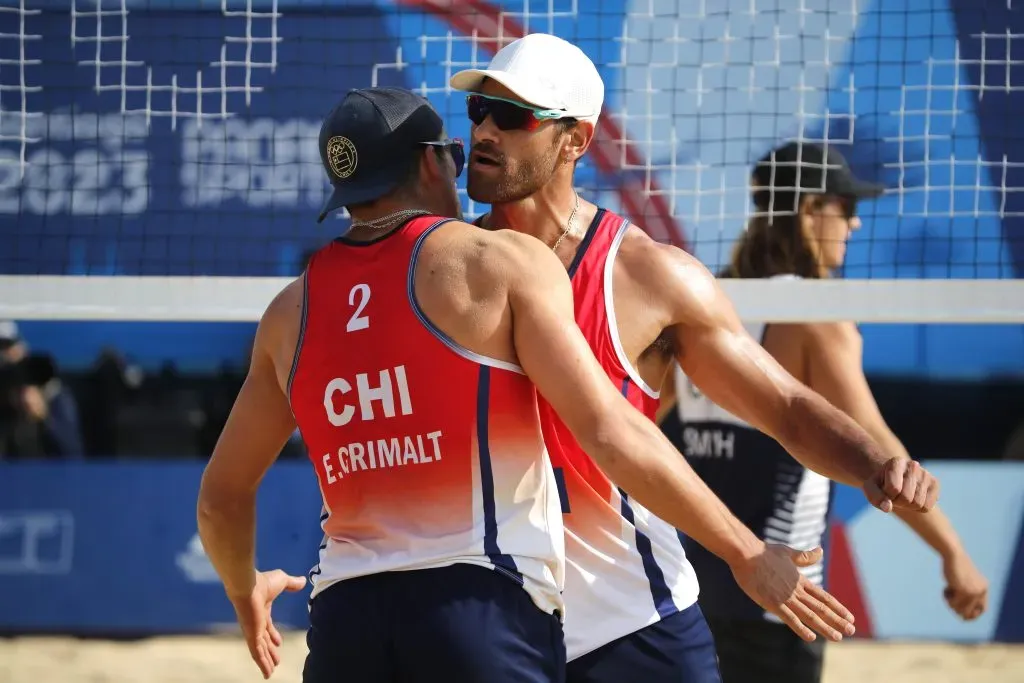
578,140
810,204
807,221
430,164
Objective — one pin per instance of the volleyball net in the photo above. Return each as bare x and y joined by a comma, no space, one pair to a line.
158,158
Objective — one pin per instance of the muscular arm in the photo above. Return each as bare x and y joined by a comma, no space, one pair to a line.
632,451
835,355
257,428
627,446
734,371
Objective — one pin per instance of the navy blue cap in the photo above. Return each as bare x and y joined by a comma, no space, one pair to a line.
807,168
369,141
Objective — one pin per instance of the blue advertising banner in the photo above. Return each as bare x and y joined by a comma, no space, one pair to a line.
112,547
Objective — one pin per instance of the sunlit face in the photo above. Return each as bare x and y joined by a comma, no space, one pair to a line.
828,224
508,165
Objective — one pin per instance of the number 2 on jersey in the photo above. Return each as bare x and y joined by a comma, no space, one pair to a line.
358,321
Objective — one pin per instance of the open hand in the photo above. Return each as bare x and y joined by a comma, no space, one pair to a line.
253,612
773,580
902,484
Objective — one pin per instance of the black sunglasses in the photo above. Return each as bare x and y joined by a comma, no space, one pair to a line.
507,114
455,149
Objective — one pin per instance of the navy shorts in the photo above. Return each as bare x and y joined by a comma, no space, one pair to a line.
459,623
677,649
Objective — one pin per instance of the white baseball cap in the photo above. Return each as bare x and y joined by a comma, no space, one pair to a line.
545,71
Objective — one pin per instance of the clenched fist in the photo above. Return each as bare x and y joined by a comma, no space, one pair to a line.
902,484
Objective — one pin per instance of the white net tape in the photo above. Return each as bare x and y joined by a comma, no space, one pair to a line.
244,299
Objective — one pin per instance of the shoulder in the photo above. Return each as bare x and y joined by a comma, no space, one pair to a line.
287,302
279,325
513,254
493,260
468,239
654,262
516,244
668,275
832,336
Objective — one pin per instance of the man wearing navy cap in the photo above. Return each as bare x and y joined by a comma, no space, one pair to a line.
366,146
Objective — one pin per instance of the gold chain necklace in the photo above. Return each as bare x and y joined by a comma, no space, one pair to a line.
568,223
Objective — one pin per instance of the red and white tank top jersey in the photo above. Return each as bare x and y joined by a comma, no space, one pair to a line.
426,453
625,568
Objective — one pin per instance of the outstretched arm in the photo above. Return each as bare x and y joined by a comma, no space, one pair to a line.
257,428
634,453
734,371
835,357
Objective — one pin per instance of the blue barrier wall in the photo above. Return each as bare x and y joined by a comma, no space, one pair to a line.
112,547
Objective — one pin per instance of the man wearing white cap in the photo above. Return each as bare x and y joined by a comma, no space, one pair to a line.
630,593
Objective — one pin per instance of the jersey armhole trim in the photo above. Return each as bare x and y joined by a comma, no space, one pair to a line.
609,306
431,327
588,237
302,331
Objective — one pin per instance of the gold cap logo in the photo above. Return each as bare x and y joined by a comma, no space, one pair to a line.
342,156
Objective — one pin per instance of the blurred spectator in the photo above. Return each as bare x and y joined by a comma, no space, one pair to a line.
109,387
38,414
217,401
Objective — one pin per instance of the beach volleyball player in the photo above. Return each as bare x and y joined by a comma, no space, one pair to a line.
630,594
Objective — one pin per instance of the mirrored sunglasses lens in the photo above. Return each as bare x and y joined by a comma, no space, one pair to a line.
458,156
477,109
508,116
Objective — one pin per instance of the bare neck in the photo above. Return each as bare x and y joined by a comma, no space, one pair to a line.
543,214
